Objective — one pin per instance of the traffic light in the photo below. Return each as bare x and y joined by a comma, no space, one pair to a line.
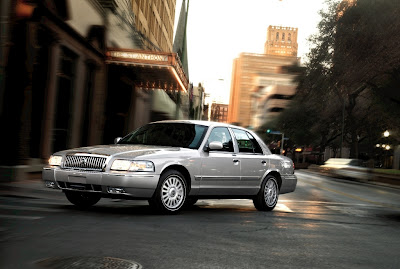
268,131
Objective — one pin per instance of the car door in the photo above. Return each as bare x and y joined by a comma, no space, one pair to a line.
252,160
220,169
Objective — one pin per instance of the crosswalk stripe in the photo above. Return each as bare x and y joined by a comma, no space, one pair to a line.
282,207
324,202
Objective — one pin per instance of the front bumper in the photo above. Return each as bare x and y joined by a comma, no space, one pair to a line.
129,184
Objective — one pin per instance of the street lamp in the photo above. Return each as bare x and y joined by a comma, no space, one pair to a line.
386,133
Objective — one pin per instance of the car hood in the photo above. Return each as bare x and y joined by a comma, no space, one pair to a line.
122,150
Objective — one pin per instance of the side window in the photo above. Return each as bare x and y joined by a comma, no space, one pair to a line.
221,134
257,147
246,142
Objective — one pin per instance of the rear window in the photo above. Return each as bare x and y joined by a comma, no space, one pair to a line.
246,142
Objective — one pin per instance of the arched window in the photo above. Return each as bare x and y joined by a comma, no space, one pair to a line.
283,37
289,38
277,36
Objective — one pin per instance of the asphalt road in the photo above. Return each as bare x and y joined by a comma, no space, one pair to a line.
326,223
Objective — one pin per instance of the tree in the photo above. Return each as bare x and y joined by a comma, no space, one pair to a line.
366,58
349,80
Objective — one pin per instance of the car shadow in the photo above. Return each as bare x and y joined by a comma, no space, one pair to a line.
141,208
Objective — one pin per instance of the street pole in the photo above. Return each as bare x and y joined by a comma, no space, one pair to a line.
341,141
283,139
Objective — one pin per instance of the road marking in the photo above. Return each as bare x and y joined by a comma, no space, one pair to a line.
325,203
282,208
20,217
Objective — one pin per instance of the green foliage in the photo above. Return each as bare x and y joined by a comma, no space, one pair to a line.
351,78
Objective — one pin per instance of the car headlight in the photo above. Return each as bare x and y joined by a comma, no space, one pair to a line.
134,166
55,160
121,165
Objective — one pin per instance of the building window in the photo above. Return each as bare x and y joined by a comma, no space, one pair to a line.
283,36
277,36
66,81
88,101
289,37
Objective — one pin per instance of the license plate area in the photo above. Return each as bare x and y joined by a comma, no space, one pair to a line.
77,179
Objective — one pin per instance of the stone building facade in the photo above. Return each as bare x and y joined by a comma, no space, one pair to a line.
77,73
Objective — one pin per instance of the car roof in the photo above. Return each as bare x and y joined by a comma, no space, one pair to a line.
200,122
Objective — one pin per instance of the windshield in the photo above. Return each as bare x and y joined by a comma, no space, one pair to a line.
184,135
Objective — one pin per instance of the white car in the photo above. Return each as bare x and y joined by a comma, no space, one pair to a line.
349,168
172,163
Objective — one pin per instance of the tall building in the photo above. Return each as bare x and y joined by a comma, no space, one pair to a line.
76,73
180,41
154,19
281,41
250,68
219,112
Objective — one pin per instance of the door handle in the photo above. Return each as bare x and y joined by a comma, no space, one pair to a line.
263,162
236,161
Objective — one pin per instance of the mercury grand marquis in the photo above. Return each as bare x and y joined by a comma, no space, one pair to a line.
172,164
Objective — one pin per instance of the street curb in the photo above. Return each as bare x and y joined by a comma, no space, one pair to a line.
369,182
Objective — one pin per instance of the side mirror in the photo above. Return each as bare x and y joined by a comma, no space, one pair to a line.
116,140
215,145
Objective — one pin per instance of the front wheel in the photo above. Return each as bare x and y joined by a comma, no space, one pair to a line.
171,192
267,197
82,199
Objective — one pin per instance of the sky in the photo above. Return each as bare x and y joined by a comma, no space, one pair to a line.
219,30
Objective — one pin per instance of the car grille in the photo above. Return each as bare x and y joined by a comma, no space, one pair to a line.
85,162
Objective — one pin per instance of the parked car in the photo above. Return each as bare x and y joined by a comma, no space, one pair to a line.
348,168
173,163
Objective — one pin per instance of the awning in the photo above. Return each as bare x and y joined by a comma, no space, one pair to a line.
153,70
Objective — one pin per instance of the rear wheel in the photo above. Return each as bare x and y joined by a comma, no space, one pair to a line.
171,192
82,199
267,197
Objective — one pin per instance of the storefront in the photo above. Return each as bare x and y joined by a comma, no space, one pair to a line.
54,81
65,87
143,86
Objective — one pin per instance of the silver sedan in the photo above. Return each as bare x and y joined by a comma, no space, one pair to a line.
172,164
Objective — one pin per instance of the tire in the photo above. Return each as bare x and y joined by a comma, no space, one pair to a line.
82,199
170,195
267,197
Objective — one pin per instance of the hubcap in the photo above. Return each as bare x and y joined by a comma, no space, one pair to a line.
270,193
173,192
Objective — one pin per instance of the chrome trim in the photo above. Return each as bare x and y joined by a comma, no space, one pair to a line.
220,178
80,161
